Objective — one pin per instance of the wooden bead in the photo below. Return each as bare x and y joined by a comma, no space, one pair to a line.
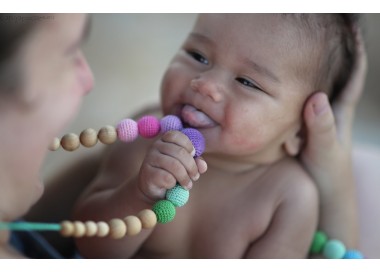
79,229
118,229
107,135
133,225
103,229
91,228
88,137
67,228
55,144
70,142
148,218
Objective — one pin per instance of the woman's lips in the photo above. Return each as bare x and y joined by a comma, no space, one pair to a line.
196,118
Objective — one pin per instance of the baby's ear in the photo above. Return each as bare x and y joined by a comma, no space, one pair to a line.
294,143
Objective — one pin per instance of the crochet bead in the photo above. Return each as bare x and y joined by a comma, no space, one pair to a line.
88,137
319,241
170,122
55,144
334,249
103,229
91,228
164,210
118,229
148,126
67,228
107,135
70,142
196,139
79,229
127,130
353,254
133,225
177,195
148,218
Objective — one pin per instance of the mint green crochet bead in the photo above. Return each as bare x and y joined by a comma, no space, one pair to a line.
164,210
177,195
334,249
319,241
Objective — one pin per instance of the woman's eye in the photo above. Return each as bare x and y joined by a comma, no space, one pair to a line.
198,57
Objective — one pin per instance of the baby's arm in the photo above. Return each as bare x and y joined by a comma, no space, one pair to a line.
294,220
133,177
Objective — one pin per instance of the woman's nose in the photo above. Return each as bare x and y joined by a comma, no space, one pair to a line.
208,84
86,77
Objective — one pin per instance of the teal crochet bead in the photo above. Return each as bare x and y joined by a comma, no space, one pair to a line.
177,195
164,210
319,241
334,249
353,254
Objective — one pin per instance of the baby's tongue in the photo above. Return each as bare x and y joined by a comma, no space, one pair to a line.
196,118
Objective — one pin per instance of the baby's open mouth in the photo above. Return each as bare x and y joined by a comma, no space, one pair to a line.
196,118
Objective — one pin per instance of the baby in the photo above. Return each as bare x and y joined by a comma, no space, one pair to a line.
242,81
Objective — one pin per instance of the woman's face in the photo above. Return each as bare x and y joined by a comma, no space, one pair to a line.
56,77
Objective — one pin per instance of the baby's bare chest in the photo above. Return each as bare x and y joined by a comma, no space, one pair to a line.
219,221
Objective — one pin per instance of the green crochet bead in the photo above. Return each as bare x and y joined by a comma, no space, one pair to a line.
164,210
334,249
319,241
177,195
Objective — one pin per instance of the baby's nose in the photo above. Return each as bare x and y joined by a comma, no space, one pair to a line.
208,87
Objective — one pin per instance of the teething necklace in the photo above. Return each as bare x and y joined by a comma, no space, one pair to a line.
163,211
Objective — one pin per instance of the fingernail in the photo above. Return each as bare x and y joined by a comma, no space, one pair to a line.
196,177
320,106
190,185
193,152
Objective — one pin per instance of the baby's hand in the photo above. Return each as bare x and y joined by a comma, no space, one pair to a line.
169,160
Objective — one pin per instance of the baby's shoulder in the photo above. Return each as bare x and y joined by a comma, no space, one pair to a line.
293,179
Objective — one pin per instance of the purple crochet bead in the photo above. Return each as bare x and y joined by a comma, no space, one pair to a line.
170,122
196,139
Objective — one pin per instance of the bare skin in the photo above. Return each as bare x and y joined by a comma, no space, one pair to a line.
248,214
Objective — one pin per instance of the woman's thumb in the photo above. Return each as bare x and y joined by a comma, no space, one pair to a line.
320,125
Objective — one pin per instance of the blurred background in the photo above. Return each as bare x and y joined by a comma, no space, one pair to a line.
130,52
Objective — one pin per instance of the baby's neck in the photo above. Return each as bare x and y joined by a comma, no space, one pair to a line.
230,165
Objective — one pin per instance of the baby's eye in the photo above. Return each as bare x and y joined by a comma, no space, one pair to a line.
246,82
198,57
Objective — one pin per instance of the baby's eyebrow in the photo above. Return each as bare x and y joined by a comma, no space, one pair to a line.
201,38
261,70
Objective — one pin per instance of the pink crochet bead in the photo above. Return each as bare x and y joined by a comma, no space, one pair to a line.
149,126
170,122
127,130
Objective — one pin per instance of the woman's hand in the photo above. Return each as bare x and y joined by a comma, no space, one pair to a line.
327,154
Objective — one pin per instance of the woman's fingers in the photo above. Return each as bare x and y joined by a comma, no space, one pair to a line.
344,107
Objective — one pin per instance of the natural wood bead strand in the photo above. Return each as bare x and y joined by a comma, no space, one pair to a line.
103,229
67,228
88,137
133,225
55,144
107,135
148,218
79,229
91,228
70,142
118,228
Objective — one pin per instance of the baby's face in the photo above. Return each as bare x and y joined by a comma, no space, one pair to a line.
235,80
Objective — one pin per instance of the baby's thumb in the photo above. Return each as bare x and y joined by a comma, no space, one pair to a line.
320,126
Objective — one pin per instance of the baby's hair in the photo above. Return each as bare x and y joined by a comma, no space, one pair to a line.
334,36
